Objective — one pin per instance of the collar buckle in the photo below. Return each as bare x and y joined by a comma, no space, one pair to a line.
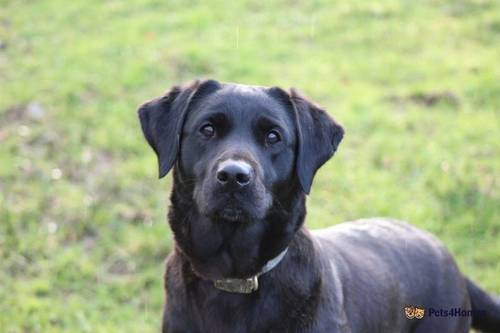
241,286
247,286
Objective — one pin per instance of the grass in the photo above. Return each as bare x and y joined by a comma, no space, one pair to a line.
82,217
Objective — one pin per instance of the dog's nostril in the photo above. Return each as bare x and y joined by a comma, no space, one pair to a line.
222,176
243,178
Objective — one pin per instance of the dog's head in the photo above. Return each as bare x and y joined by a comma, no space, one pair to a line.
243,157
238,147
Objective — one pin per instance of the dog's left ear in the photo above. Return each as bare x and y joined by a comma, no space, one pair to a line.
318,135
162,120
318,138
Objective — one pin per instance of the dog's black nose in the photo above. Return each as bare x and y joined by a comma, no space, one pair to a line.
234,173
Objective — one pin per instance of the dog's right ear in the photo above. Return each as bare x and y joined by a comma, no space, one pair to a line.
162,120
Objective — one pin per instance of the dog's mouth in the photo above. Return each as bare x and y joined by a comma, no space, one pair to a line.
232,214
235,206
233,209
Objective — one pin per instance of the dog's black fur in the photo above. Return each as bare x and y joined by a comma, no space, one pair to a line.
354,277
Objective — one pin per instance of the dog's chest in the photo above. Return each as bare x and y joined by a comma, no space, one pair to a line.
228,312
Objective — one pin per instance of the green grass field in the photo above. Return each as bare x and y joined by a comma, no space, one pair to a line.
82,214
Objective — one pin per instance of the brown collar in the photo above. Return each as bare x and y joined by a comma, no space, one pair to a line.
251,284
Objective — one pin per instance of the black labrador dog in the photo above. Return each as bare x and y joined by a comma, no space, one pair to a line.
243,160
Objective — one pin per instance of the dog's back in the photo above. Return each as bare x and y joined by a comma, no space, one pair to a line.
387,266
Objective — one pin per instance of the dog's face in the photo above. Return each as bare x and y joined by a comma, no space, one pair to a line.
238,146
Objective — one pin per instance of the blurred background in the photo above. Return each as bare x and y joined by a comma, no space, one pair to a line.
83,233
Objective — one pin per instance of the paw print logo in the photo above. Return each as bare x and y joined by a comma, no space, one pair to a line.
414,312
419,312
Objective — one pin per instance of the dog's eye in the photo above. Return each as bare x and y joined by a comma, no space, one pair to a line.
272,137
207,130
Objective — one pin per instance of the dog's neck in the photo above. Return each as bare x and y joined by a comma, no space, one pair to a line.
219,249
293,290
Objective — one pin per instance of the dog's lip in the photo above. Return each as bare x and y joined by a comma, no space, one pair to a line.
226,206
233,207
231,213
